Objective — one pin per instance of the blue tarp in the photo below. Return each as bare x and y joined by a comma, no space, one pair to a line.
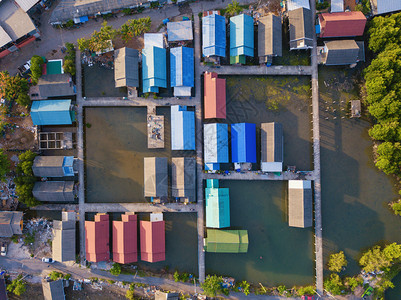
214,35
84,19
241,35
52,112
243,143
182,66
215,143
182,128
153,69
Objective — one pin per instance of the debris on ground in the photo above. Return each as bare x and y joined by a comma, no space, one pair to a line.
39,236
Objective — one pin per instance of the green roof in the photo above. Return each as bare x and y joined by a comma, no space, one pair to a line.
226,241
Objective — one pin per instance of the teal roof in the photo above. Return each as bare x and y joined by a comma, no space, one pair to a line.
154,74
52,112
241,35
217,205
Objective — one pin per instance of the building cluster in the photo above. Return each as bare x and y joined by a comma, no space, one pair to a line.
125,239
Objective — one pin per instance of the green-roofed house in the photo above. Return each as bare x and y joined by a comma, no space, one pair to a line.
226,241
52,112
217,205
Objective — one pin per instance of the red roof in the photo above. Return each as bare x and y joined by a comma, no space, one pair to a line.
341,24
153,244
215,96
125,244
97,238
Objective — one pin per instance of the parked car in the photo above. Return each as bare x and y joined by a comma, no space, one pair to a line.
48,260
3,249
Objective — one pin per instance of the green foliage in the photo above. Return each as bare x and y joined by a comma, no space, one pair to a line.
14,239
17,286
24,181
69,66
386,131
384,32
377,259
115,269
212,285
55,275
110,281
245,287
320,6
154,4
134,27
176,276
233,9
396,206
281,289
337,262
333,284
36,68
4,165
99,41
29,238
389,157
69,24
67,276
23,100
364,7
353,282
306,290
130,295
12,86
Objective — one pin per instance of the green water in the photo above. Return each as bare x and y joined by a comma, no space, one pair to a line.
354,192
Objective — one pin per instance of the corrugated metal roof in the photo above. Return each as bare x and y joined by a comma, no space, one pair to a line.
53,290
14,20
300,203
55,85
153,243
214,96
51,112
182,67
54,191
155,177
301,28
97,237
179,31
4,37
337,6
126,72
270,36
214,35
217,205
159,295
153,40
10,223
243,143
154,74
343,52
271,135
241,35
341,24
183,174
295,4
215,143
53,166
26,4
63,245
125,245
226,241
182,128
385,6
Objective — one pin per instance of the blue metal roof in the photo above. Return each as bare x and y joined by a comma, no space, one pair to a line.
217,205
214,35
154,74
243,143
68,165
241,35
215,143
182,66
182,128
52,112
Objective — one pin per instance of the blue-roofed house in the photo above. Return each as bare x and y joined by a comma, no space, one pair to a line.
52,112
182,70
154,74
182,128
241,38
215,145
243,143
214,35
217,205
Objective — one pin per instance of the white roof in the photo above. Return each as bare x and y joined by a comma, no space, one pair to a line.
4,37
299,184
26,4
337,6
182,91
154,39
294,4
179,31
156,217
385,6
272,166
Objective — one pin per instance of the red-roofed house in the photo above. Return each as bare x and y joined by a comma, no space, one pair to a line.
97,238
153,244
340,24
215,96
125,245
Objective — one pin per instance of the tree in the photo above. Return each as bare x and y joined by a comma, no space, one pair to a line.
54,275
389,157
386,131
130,295
233,8
374,259
12,86
384,32
115,269
396,206
337,262
306,290
177,276
245,287
212,285
25,181
83,44
69,66
353,282
25,163
333,284
4,165
134,27
17,286
36,68
23,100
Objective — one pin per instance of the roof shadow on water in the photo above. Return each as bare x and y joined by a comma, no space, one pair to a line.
277,253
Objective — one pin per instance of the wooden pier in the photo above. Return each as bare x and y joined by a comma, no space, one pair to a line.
155,126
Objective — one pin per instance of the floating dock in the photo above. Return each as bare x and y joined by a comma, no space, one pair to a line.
155,126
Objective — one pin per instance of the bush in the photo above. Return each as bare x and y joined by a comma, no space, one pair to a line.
17,286
177,276
14,239
334,284
396,206
306,290
115,269
320,6
23,100
337,262
212,285
36,68
55,275
69,66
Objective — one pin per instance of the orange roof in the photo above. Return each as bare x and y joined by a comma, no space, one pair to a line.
97,238
125,245
153,244
214,96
